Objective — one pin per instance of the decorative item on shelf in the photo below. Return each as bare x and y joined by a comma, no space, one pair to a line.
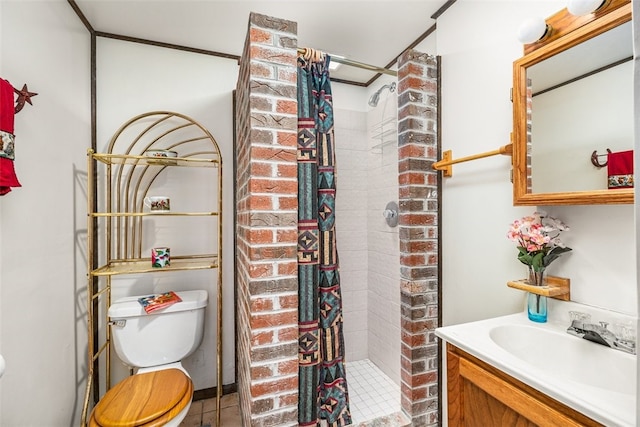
536,304
161,157
158,204
160,257
539,244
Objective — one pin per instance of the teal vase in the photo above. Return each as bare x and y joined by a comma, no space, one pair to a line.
536,304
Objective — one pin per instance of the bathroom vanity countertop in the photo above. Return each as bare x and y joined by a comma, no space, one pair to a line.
593,379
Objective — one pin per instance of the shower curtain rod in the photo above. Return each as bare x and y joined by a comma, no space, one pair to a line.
351,62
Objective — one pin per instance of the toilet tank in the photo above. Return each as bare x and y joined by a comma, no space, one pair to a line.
165,336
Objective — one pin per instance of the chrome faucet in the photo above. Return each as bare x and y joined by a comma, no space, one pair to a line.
582,327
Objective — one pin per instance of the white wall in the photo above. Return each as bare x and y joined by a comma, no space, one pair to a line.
44,256
477,259
134,79
43,251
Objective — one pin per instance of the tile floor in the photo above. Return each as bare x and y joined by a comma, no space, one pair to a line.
372,396
203,412
371,393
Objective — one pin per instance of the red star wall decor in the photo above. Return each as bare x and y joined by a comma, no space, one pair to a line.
23,96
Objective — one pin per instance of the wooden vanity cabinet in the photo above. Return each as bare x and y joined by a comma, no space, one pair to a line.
480,395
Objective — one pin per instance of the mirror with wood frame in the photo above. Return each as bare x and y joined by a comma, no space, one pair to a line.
573,100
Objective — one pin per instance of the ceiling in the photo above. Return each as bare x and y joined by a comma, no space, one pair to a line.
369,31
602,51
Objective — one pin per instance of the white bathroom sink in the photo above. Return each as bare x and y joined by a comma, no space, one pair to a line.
593,379
2,365
568,356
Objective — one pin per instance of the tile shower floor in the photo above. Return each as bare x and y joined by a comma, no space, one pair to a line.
372,394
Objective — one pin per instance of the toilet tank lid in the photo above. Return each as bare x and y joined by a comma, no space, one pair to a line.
130,307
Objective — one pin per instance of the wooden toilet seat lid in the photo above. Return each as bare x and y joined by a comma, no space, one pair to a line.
148,399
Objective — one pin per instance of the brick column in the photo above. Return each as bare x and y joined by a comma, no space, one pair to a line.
267,294
418,214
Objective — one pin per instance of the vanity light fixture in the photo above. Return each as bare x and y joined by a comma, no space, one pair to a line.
584,7
533,30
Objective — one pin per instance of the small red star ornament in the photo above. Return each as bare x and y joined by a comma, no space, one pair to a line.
23,96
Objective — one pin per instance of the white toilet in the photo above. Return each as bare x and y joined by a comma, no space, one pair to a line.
160,392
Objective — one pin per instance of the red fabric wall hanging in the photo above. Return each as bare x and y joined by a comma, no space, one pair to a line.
620,169
8,176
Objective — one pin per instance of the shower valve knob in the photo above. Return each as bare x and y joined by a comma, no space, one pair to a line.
390,214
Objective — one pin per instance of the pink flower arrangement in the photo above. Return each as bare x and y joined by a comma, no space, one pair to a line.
538,239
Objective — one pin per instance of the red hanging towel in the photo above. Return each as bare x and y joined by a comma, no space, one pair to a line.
620,169
8,176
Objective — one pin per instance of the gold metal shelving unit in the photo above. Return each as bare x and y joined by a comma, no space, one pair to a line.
118,181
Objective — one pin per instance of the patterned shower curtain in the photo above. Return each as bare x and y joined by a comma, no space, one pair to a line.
323,391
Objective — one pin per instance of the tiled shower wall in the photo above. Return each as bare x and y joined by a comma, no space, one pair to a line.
368,248
382,240
351,227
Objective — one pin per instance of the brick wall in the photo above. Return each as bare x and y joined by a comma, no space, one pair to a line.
418,214
267,293
266,129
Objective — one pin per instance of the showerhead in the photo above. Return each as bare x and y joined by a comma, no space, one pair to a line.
373,101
